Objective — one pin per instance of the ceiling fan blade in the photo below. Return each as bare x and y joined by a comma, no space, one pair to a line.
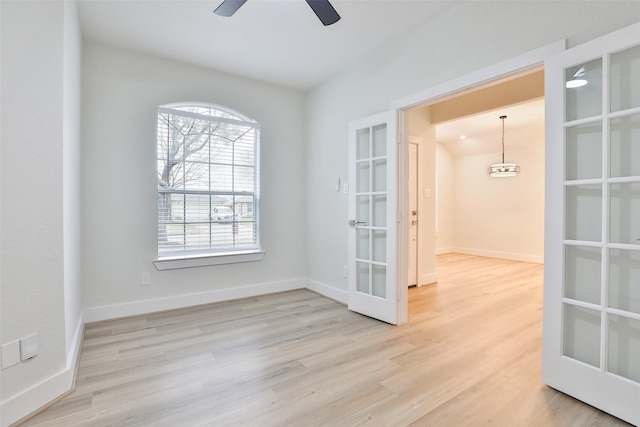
229,7
325,12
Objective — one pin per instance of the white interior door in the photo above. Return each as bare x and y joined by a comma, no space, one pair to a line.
591,334
412,220
372,217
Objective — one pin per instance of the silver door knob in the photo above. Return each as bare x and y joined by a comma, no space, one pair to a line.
355,222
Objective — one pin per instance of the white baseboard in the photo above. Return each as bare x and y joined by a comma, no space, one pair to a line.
538,259
135,308
328,291
43,394
48,391
440,251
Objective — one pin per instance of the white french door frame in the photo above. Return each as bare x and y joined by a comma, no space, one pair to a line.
370,153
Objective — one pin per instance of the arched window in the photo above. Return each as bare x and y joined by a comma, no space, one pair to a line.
208,181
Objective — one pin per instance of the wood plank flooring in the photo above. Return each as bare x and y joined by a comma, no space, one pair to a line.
469,356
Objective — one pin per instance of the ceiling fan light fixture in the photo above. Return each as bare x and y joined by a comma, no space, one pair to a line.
322,8
577,80
324,11
229,7
574,83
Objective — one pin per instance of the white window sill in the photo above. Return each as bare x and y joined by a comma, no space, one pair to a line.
171,263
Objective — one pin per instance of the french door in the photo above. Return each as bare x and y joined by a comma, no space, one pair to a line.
591,333
372,217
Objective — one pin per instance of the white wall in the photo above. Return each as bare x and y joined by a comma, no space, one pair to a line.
446,206
501,217
120,95
485,33
33,266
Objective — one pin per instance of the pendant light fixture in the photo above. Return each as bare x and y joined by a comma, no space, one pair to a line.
503,170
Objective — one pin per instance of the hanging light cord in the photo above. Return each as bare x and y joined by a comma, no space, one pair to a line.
502,118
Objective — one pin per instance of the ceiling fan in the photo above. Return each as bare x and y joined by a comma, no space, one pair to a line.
322,8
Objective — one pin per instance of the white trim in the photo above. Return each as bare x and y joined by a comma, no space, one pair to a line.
173,105
515,65
538,259
44,393
171,263
442,251
215,119
428,279
135,308
328,291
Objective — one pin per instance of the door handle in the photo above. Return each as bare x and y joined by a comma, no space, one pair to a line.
355,222
414,222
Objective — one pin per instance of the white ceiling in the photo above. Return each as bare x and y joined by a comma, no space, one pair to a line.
278,41
523,126
283,42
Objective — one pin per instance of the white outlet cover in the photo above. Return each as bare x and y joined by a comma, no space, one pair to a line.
29,347
145,278
10,354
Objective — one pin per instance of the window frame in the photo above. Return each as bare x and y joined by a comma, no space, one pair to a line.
193,257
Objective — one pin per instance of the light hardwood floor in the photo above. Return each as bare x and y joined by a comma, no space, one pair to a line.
469,356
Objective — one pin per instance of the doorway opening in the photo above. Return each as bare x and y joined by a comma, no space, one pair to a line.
453,205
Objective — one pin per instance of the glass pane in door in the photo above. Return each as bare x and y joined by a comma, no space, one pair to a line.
624,347
363,149
379,245
625,79
582,334
584,213
624,280
583,266
380,140
584,151
379,281
625,213
583,91
362,244
362,208
379,210
625,146
379,175
362,278
363,176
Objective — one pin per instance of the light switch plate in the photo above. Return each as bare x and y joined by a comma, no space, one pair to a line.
10,354
29,347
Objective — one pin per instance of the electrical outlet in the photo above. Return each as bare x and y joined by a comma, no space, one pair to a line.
145,278
29,347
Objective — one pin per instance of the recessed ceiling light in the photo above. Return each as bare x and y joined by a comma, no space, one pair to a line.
463,137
